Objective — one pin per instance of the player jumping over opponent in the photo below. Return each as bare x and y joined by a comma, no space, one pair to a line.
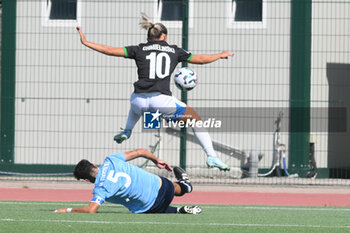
156,61
119,182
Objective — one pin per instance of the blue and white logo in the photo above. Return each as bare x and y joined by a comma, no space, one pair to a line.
151,120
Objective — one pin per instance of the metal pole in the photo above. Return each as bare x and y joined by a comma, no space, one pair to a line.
8,81
183,135
300,86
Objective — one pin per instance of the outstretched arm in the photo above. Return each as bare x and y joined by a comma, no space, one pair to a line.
92,208
130,155
105,49
208,58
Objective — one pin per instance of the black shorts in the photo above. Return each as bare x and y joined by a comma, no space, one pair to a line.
164,198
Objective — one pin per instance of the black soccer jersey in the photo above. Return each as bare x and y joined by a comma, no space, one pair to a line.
155,61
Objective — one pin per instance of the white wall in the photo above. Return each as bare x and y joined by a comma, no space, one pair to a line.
330,44
56,75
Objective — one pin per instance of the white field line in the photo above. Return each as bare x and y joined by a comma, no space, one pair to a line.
48,203
206,207
283,208
178,223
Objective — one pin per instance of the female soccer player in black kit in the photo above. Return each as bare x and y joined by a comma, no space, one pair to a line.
155,61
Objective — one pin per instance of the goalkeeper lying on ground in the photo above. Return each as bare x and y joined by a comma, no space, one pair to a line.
119,182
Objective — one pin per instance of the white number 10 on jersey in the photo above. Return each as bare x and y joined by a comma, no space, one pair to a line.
156,65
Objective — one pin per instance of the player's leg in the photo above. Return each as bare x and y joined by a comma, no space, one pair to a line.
183,184
201,134
189,210
166,195
183,210
181,187
164,198
175,110
204,140
130,123
137,102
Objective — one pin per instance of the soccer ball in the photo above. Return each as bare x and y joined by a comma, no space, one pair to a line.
186,79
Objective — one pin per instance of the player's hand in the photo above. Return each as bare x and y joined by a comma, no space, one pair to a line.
82,36
164,165
63,210
225,54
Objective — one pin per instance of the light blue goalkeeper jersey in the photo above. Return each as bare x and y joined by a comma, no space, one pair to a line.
122,183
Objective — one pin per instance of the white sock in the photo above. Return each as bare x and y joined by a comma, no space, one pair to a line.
132,120
205,141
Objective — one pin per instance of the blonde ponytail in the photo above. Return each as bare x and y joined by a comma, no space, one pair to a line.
146,22
154,31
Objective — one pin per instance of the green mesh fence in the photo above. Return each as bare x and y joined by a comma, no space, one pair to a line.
282,98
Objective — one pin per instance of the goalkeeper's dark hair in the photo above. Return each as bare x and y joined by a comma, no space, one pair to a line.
84,170
154,31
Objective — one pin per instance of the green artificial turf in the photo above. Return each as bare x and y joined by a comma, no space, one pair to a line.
38,217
